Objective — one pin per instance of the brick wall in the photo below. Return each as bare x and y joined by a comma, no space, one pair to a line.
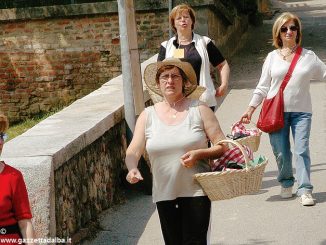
51,62
50,56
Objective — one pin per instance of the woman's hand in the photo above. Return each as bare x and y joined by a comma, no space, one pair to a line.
224,73
189,159
134,176
221,90
246,117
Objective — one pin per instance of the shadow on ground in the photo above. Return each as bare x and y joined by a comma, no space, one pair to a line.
137,211
247,63
250,241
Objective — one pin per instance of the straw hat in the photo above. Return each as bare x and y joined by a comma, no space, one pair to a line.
191,89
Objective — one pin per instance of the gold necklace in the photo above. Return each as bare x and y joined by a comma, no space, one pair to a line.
174,114
293,49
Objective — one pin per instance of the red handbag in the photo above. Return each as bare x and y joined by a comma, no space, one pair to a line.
271,117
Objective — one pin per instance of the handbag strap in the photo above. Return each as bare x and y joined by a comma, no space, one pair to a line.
291,68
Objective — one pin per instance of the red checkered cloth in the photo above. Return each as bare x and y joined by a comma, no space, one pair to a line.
239,128
232,155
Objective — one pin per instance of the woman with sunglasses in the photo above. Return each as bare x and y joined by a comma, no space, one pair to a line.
287,35
15,212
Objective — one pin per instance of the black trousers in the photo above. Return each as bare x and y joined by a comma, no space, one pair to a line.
185,220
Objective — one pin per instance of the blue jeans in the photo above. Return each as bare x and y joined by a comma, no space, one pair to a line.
300,124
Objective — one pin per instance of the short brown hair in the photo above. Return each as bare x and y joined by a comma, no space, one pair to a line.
179,9
4,123
279,22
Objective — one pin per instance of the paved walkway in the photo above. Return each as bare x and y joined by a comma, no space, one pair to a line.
263,218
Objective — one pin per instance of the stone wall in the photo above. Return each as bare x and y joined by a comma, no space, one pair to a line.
225,33
90,182
73,162
50,56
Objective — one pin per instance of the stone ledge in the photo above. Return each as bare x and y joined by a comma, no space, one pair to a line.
45,147
38,175
70,10
60,137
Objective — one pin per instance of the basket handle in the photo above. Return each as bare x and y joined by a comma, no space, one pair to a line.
233,142
251,122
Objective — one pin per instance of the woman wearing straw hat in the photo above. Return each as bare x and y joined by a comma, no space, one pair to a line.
175,132
15,212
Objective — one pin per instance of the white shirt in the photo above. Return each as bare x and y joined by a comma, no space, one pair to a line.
297,92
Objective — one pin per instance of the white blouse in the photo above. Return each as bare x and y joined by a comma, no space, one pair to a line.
297,92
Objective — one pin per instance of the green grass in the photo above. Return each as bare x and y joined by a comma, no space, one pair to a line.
19,128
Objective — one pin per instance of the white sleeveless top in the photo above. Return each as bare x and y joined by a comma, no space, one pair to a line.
165,145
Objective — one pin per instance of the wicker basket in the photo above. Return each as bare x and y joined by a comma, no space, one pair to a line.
252,141
232,183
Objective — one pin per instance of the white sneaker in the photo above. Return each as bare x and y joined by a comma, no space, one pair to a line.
286,192
307,200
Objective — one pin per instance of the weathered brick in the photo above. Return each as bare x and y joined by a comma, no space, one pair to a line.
68,57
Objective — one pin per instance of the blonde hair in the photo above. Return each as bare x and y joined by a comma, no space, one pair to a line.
4,123
279,22
178,10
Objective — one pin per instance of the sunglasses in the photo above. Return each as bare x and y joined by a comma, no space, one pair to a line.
286,28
